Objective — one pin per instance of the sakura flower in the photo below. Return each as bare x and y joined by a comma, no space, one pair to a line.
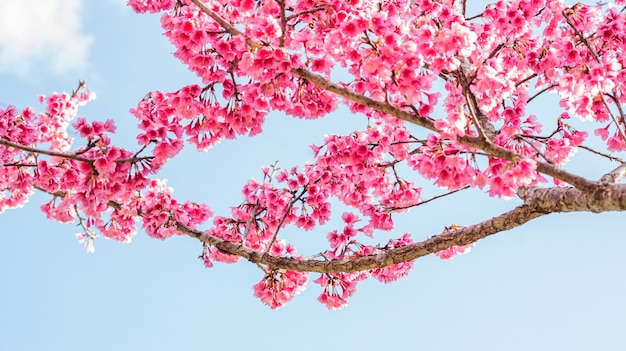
337,288
152,6
279,287
87,240
453,251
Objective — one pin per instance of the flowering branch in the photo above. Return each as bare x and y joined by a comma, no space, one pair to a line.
479,143
538,202
44,152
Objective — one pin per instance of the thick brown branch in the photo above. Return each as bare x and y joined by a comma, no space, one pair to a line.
364,100
383,258
601,199
476,142
614,176
538,202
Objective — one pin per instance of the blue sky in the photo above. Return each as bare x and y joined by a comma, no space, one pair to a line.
556,283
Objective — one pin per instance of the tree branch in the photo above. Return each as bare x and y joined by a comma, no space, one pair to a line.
603,198
385,257
394,208
539,202
485,128
476,142
566,13
43,152
68,156
612,158
217,18
306,12
614,176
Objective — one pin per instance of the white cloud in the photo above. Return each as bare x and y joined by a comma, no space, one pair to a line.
44,33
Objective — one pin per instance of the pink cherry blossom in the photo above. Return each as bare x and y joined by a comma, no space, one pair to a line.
279,287
151,6
337,288
452,251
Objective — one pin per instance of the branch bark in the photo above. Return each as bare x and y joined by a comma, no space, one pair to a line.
614,176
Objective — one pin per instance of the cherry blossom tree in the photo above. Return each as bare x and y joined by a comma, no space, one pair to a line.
446,94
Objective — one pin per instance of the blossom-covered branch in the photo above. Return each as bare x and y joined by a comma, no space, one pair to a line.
449,102
538,202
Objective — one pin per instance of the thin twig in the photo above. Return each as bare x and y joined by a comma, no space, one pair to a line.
217,18
549,160
541,92
33,150
282,220
253,214
580,35
525,79
305,12
612,158
44,152
619,108
394,208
